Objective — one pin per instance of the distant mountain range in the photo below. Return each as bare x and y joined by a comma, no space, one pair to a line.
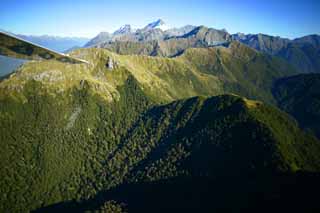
157,30
303,53
156,40
57,43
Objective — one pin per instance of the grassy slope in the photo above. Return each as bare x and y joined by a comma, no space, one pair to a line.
237,69
203,71
304,57
242,70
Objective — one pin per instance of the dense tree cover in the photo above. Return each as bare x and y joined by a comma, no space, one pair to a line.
264,193
191,154
300,96
44,162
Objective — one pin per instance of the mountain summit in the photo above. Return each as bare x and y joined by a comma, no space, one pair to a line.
125,29
159,24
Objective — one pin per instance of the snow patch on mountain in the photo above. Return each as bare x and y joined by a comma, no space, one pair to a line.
159,24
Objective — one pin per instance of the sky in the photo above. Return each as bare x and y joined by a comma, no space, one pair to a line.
82,18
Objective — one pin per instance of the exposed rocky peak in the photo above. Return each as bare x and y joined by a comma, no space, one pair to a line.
125,29
100,38
158,24
149,35
210,36
158,31
179,31
239,36
155,42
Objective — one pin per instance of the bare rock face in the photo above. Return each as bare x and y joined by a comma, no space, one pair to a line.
82,84
110,63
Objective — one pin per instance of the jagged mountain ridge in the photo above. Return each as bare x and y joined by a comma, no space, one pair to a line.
153,31
158,24
158,43
123,30
303,53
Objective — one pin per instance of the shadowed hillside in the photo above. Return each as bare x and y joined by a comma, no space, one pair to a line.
300,96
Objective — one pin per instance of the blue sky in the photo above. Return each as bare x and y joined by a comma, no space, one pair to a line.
87,18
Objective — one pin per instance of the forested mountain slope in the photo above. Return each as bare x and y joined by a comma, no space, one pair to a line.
72,131
190,154
300,96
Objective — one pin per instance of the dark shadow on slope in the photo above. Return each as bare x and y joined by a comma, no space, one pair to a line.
299,95
249,193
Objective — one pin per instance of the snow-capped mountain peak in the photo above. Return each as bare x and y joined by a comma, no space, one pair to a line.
159,24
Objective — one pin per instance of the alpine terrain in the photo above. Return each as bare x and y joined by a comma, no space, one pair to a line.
161,119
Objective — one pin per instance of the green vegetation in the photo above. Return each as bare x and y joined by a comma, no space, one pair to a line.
54,160
201,71
242,70
72,132
133,48
302,53
300,96
189,145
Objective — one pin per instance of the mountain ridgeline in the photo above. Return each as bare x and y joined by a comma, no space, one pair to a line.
302,53
194,132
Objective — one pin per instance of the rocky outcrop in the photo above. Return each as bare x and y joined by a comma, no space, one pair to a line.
109,64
